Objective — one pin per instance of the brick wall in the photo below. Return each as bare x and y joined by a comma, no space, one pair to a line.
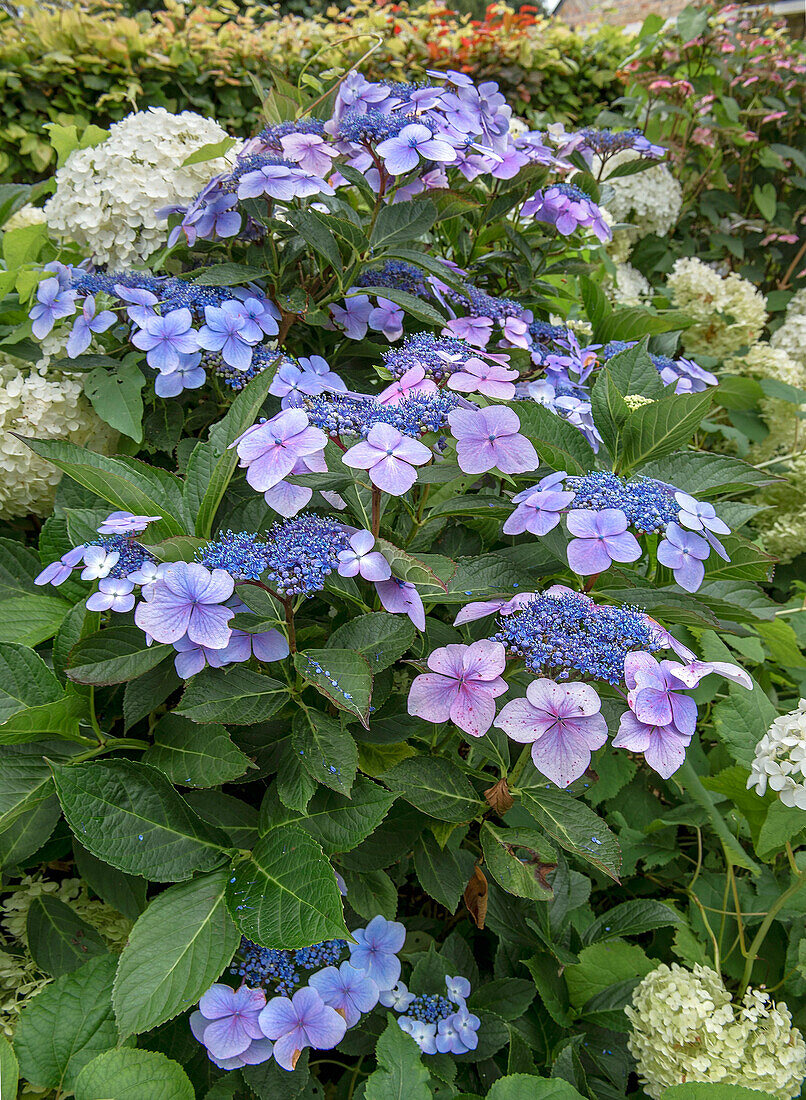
578,13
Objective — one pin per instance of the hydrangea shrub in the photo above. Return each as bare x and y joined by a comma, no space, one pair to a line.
400,622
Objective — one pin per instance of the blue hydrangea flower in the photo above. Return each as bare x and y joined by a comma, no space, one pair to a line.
376,948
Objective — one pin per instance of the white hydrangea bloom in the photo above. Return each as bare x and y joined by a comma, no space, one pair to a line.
780,760
685,1027
107,197
26,215
783,523
790,338
627,285
34,404
650,200
729,312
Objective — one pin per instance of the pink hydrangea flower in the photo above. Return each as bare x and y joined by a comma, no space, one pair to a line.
563,724
462,687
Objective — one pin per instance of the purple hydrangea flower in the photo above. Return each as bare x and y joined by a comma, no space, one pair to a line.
489,438
125,523
401,597
58,571
690,674
310,151
353,317
351,992
684,552
462,687
191,658
387,318
227,1024
361,560
375,951
402,153
566,207
305,378
701,516
114,594
86,325
422,1033
480,609
229,330
397,998
664,747
600,539
188,374
98,562
142,303
188,599
270,451
656,696
563,724
165,339
53,302
458,989
489,379
473,330
538,511
303,1020
413,381
389,457
216,219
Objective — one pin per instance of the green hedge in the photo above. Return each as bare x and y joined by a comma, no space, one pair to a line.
92,62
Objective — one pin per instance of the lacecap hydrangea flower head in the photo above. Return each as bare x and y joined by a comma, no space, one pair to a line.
107,196
780,759
686,1027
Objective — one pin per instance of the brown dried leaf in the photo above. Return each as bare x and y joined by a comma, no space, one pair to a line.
476,897
499,798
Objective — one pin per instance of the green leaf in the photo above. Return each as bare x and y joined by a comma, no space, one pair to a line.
129,815
228,275
630,919
781,825
402,223
610,412
336,822
505,854
371,892
211,151
269,1082
126,893
58,939
115,395
435,786
128,1074
341,676
29,808
25,681
285,894
126,483
707,475
416,570
212,464
113,656
57,719
316,233
238,696
237,818
31,619
161,975
523,1086
508,998
574,826
655,430
766,200
195,755
66,1025
9,1070
19,565
401,1074
326,749
441,872
633,372
741,720
602,965
559,444
379,637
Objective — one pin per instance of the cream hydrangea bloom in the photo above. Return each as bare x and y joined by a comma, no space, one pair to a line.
26,215
685,1027
627,285
790,338
780,759
650,201
729,312
107,197
37,404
